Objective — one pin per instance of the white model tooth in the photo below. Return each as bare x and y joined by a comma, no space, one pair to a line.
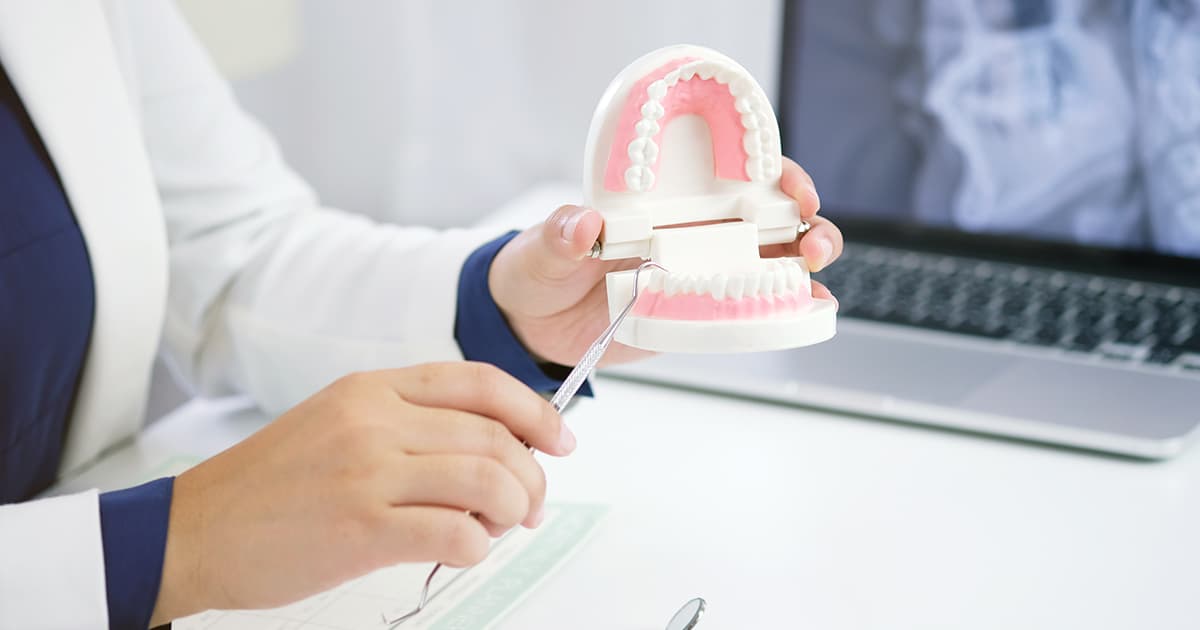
764,119
657,90
653,110
672,78
742,105
643,151
767,286
671,284
646,128
781,282
717,284
766,152
685,284
739,87
687,72
750,144
705,72
657,281
754,169
724,76
637,151
774,168
749,122
735,288
753,284
639,178
793,277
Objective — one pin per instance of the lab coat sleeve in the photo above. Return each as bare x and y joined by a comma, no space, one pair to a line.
271,294
50,553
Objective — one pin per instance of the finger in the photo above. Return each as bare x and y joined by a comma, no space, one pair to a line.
418,533
486,390
820,246
797,184
546,269
453,432
480,485
563,241
821,292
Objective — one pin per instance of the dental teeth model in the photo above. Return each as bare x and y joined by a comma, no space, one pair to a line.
683,161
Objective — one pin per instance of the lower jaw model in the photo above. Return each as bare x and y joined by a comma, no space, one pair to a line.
777,287
683,161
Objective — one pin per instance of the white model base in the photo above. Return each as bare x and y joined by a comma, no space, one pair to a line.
811,326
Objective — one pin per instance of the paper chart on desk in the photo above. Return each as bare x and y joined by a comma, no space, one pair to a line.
474,599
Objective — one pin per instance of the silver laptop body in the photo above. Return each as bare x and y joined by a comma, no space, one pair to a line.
1057,303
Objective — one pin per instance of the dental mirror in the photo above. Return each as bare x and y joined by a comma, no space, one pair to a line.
688,616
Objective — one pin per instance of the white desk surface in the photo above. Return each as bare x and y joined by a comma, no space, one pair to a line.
787,518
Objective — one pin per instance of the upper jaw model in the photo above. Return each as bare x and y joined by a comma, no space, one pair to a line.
683,161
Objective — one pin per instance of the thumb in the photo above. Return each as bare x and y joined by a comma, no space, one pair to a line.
566,239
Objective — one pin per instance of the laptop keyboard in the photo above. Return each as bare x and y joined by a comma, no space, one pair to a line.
1118,319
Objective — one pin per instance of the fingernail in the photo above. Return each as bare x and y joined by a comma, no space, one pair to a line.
566,440
569,223
816,197
826,247
538,517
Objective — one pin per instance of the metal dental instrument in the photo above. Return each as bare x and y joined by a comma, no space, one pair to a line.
562,397
688,616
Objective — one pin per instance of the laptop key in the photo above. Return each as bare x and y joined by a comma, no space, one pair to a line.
1163,354
1124,351
1190,362
1084,341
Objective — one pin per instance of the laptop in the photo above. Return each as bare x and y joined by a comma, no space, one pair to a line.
1019,187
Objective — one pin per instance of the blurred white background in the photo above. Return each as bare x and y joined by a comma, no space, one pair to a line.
436,112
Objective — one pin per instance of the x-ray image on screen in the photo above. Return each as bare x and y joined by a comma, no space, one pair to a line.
1068,120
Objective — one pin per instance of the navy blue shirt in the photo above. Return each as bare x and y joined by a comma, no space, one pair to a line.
46,306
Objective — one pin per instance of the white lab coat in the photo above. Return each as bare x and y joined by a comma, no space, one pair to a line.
200,238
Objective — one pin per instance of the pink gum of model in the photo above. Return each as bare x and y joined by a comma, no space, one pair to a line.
703,97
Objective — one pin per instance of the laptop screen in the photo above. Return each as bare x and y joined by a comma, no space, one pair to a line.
1070,121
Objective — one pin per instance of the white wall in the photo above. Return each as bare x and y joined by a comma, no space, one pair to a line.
436,111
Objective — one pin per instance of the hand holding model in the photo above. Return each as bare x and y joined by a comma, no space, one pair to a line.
682,167
554,295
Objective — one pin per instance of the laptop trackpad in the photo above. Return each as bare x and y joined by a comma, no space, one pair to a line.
1088,397
897,367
